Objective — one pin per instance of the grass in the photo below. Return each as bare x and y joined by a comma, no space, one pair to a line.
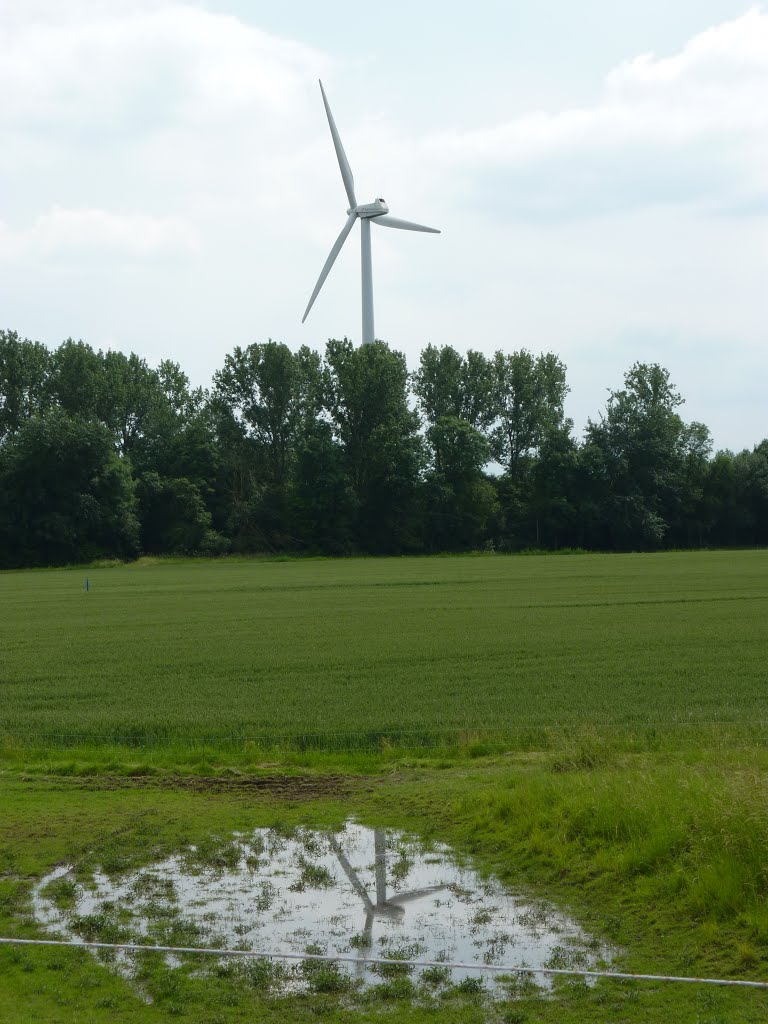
680,890
591,728
360,653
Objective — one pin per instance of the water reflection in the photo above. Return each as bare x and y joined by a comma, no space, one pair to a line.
355,891
391,908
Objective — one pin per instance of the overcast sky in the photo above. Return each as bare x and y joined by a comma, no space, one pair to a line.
599,170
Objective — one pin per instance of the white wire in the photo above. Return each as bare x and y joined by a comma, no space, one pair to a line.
336,958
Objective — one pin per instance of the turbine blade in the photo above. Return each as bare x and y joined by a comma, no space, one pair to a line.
341,156
404,225
330,261
354,880
415,894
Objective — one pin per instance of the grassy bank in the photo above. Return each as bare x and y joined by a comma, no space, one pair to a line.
590,728
666,862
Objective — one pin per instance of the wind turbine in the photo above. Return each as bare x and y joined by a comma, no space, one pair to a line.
378,212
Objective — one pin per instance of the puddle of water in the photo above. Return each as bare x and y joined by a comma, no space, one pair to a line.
355,892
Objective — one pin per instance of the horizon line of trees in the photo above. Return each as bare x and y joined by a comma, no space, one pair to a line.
346,451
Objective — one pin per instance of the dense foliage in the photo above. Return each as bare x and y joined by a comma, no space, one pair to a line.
103,456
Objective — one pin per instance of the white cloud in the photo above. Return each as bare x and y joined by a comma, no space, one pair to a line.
189,125
687,128
167,61
152,106
63,234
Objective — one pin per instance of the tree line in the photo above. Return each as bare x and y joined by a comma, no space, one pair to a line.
103,456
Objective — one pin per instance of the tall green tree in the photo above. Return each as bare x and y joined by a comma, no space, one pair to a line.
366,398
552,492
178,434
529,396
735,497
758,491
641,459
265,399
174,519
65,495
121,391
529,438
270,392
77,380
25,368
459,500
129,396
325,506
448,384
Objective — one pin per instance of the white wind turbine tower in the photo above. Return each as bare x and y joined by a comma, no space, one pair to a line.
377,211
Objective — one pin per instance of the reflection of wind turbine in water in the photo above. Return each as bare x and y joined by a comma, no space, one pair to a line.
389,908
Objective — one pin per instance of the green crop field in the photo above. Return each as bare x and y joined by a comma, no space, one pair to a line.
400,647
593,729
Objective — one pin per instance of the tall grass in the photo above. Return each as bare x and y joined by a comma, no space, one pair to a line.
634,839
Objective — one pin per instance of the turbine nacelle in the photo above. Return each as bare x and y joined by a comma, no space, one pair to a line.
374,209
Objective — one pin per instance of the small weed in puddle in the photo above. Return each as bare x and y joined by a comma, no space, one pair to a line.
483,916
313,876
99,927
536,915
214,854
62,892
265,897
178,932
400,953
310,842
255,844
402,867
155,910
434,977
564,958
262,975
283,831
469,986
496,947
323,976
150,887
461,894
